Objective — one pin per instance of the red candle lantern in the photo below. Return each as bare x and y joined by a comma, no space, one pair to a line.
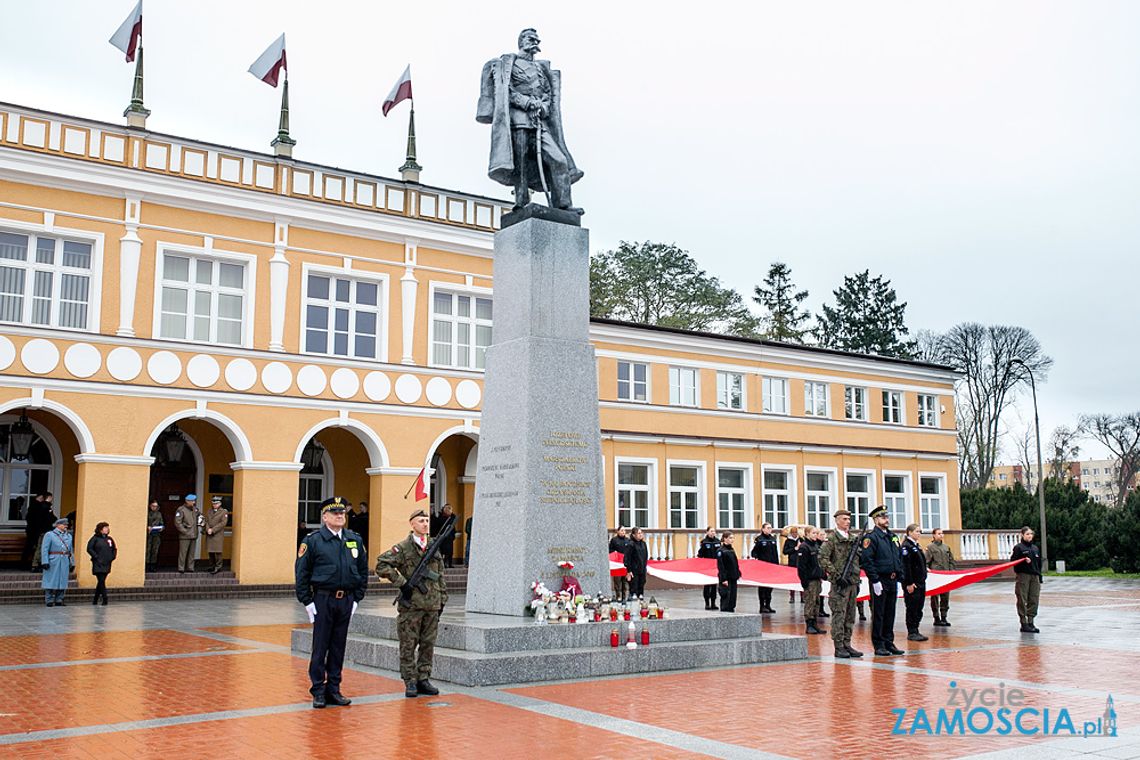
614,638
613,614
645,636
625,613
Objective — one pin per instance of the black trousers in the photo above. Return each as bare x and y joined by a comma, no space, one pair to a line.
637,585
330,632
728,597
32,538
914,603
710,594
883,614
100,587
765,595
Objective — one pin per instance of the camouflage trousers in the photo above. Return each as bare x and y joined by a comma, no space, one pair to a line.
842,603
416,630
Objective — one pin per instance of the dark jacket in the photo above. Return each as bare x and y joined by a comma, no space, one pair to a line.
766,549
791,548
102,551
636,557
914,564
1022,550
807,563
881,557
708,547
727,566
327,562
619,544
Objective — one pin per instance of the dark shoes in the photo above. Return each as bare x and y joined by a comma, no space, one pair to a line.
1028,628
841,653
50,604
318,700
916,637
894,650
880,652
942,623
852,651
862,618
410,689
425,687
813,628
336,698
824,614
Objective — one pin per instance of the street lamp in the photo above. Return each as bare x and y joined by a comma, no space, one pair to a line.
21,437
173,443
312,454
1040,468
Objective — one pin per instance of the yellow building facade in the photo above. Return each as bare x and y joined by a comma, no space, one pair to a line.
178,316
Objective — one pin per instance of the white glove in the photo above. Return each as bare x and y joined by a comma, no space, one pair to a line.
877,588
311,608
354,606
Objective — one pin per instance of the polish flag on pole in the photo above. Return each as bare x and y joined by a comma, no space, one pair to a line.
420,486
129,34
401,91
268,66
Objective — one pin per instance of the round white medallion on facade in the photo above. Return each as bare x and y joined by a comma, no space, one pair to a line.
438,391
468,394
241,374
344,383
276,377
40,356
408,388
164,367
311,380
377,386
82,360
203,370
124,363
7,353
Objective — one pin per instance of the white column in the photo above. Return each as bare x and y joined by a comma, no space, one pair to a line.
130,254
278,287
408,288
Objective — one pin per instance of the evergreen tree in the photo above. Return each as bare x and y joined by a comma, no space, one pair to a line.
785,319
867,317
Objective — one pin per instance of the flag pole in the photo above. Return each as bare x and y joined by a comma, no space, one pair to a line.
283,143
414,481
410,171
136,112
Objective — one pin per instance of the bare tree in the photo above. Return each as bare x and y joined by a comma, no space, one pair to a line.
1120,434
928,347
1027,455
988,358
1064,450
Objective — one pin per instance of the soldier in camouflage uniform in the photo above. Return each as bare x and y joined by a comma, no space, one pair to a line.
418,619
833,557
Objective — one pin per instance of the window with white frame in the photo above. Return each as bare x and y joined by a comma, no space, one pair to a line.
815,399
343,316
731,497
858,493
45,280
896,498
312,489
22,479
460,329
684,496
777,497
729,390
927,410
775,392
930,501
683,386
818,496
203,299
855,403
892,407
633,381
633,484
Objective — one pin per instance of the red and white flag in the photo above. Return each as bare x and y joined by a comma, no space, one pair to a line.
129,35
421,485
401,91
268,66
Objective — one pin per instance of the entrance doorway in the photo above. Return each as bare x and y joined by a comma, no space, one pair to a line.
170,480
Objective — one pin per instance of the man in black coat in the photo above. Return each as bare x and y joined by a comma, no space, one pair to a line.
727,572
619,543
707,550
636,563
882,562
914,581
791,550
766,549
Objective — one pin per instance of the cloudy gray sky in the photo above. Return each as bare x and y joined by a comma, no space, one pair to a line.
983,156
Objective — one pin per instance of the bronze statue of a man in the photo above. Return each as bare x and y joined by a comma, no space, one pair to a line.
521,99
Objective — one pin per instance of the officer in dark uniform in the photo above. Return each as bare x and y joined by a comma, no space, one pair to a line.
914,582
882,561
332,576
766,549
707,550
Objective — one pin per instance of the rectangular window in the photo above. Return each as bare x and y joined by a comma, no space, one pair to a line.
310,494
775,392
930,502
202,299
633,494
855,403
818,493
731,493
895,497
633,383
460,330
44,281
815,399
729,390
343,316
684,496
682,386
777,497
892,407
927,411
858,498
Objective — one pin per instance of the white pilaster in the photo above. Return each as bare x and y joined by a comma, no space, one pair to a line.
130,254
409,285
278,287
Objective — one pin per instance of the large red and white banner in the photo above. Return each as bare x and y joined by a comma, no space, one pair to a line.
127,36
754,572
268,65
402,90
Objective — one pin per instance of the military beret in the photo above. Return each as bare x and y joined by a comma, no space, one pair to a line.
418,513
191,497
841,513
879,510
333,504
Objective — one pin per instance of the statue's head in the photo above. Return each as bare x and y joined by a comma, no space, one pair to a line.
528,41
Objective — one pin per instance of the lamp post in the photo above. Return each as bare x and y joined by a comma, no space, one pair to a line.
1040,468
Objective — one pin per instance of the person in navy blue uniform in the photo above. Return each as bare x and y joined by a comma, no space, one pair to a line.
707,550
914,582
727,572
332,576
881,559
766,549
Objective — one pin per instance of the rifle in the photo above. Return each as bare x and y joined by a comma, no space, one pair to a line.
421,574
843,580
